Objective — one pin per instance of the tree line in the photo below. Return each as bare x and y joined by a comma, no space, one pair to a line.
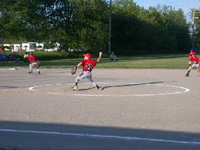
84,25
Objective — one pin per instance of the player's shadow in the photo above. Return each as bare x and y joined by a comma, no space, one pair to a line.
132,84
123,85
8,87
86,89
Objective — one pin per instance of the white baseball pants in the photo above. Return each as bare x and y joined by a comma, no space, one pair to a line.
85,74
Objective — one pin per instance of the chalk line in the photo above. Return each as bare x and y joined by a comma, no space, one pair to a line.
183,90
127,138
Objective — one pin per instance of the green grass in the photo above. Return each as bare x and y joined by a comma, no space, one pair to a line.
175,61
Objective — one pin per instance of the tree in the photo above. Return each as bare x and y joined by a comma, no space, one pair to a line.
83,24
155,30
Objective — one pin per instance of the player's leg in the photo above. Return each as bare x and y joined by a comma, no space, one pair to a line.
188,72
79,78
30,68
190,63
93,82
198,67
189,69
89,77
38,67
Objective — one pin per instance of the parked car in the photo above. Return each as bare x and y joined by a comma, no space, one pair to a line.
3,57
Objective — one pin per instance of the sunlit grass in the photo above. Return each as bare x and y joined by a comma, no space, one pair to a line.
151,61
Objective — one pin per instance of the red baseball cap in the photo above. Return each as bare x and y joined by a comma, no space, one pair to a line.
88,55
193,53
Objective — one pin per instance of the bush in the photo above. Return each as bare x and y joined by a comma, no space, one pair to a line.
55,55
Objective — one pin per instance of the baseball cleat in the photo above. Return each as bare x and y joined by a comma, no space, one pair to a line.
38,72
187,75
100,88
75,88
30,72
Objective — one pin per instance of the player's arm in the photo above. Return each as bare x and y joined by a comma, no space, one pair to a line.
79,64
100,55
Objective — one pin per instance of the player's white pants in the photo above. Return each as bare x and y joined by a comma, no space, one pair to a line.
192,66
31,65
85,74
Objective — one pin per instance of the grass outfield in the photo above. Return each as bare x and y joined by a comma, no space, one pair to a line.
170,61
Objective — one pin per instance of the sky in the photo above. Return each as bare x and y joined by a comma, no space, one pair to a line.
185,5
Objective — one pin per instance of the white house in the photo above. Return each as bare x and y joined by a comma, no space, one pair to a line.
30,46
39,46
16,47
7,45
56,47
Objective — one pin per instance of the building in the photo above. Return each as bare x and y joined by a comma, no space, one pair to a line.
8,47
16,47
32,46
28,47
39,46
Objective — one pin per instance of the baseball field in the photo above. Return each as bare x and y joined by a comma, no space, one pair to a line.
140,109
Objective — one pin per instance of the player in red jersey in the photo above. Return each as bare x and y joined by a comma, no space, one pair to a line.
194,63
190,56
87,65
34,61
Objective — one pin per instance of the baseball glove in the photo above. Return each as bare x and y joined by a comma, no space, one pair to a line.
73,71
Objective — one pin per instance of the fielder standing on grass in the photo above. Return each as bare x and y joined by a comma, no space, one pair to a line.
34,61
87,65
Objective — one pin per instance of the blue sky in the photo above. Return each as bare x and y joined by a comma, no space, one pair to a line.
185,5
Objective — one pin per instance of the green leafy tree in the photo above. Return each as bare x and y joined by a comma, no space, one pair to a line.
155,30
83,24
92,24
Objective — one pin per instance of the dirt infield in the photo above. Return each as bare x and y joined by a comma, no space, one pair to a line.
147,103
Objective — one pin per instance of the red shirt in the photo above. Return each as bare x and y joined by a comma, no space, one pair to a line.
88,65
195,58
32,58
192,53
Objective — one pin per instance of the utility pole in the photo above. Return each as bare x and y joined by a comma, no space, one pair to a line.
193,16
193,25
110,27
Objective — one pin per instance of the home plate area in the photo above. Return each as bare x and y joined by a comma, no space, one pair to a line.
112,89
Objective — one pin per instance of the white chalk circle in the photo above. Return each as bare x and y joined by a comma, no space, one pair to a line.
120,90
